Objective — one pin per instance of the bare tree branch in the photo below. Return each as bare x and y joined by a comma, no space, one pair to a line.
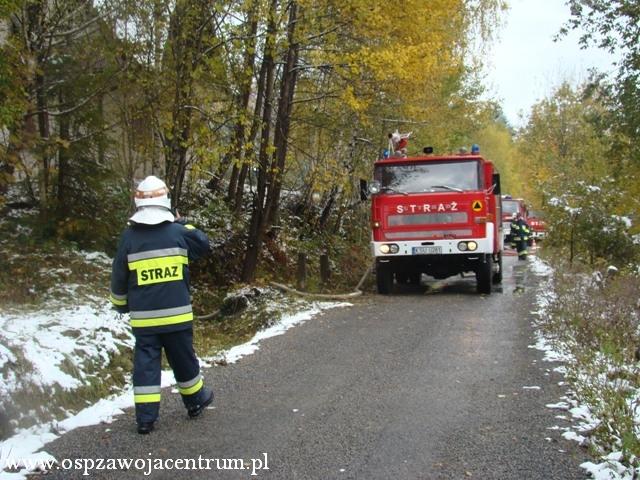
314,99
79,28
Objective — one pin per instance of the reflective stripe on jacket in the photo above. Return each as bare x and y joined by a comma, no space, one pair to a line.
520,230
150,275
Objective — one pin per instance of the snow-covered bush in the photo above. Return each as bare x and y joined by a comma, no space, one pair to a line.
585,221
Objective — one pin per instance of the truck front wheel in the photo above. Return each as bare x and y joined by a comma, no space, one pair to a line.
484,274
384,279
408,278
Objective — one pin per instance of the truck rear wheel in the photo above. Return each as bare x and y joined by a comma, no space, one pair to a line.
497,276
384,279
484,274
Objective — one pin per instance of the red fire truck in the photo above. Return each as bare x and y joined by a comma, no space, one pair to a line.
538,226
438,215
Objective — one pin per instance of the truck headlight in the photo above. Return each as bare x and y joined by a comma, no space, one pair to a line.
389,248
469,246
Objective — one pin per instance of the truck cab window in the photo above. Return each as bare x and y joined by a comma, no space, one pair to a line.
510,207
430,176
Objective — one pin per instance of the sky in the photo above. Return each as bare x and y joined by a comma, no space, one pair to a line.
525,64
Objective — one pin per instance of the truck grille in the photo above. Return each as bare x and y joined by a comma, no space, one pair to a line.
427,219
429,234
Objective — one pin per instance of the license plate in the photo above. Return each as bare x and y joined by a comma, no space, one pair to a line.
427,250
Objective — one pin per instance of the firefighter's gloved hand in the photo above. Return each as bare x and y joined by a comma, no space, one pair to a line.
179,219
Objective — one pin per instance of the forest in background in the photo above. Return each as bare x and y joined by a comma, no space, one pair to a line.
264,115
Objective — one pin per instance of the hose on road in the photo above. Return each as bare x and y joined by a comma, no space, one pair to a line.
325,296
328,296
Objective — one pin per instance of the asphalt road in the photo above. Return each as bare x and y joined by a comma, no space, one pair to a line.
422,384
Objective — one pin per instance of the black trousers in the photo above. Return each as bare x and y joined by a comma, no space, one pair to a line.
522,247
178,347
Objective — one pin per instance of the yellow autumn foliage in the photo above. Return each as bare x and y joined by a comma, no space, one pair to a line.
374,66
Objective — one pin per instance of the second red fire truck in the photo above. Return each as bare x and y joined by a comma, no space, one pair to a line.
437,215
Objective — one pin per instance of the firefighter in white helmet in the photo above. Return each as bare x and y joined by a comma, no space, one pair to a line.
150,281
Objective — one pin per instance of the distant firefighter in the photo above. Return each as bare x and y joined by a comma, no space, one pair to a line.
520,232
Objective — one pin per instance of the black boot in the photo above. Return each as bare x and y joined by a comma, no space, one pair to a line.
145,428
196,410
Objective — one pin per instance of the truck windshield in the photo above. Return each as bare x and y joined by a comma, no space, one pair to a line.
509,206
429,177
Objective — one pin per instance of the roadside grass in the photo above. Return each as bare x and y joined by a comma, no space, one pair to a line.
594,317
41,273
264,308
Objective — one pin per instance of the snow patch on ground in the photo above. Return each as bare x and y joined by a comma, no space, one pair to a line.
236,353
27,443
609,469
5,357
540,267
51,341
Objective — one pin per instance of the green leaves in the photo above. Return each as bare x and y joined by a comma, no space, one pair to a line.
589,221
613,26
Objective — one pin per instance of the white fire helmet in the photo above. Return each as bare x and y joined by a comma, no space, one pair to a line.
152,202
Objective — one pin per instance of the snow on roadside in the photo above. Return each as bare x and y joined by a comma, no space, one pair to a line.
38,349
26,444
584,421
236,353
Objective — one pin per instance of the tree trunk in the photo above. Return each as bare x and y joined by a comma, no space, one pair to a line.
301,272
238,142
325,269
283,120
185,37
255,127
572,241
257,225
63,167
326,211
44,132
